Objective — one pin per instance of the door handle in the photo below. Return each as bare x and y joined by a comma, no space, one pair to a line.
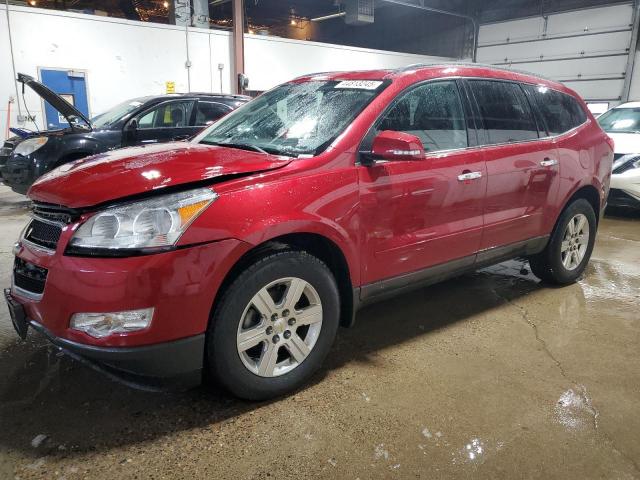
548,162
469,176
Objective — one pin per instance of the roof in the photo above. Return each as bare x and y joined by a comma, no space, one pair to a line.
219,96
437,69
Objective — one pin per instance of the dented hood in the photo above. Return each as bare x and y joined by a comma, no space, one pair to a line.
132,171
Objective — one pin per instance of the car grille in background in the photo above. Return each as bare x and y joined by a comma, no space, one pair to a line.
616,156
28,276
625,166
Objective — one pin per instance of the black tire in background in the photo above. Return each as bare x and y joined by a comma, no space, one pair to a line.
548,265
223,357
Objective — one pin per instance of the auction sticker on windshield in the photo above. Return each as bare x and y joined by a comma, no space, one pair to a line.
363,84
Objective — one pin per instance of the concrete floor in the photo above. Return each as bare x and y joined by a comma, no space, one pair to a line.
491,375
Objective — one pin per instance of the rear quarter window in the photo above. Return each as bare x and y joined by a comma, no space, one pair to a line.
561,112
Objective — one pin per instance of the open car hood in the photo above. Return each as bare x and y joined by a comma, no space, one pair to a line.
75,118
133,171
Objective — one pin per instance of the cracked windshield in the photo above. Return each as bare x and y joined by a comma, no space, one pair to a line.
295,119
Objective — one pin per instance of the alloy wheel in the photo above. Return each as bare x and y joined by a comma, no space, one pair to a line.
575,242
279,327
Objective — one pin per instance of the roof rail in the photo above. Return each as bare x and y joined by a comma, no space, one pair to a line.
471,64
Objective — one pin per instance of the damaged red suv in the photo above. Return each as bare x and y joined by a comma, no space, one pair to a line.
239,253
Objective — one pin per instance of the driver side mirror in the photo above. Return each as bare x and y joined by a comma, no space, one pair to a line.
393,146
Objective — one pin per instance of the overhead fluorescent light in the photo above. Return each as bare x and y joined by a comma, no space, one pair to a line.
328,17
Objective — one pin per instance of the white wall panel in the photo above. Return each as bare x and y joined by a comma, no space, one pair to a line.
590,20
270,61
577,22
504,32
590,45
597,89
124,59
581,68
600,44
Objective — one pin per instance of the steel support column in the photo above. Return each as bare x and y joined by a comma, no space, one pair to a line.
238,43
633,47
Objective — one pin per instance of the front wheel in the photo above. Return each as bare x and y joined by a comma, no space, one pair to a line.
569,249
273,326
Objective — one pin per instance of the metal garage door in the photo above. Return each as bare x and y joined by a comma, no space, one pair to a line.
585,49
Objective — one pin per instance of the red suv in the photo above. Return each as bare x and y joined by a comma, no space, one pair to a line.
239,253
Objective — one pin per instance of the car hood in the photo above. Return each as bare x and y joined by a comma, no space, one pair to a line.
132,171
72,114
625,142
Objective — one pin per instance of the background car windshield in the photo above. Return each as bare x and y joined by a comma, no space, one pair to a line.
625,120
116,113
295,118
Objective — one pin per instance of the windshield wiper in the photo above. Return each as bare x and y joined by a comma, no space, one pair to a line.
243,146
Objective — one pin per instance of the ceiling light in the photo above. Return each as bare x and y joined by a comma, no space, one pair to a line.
165,4
32,3
328,17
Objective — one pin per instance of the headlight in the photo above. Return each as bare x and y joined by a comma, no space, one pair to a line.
30,145
148,224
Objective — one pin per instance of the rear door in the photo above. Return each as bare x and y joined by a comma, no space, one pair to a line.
208,111
166,122
522,166
420,213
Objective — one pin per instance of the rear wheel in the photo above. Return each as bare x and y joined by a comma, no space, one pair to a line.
273,326
569,249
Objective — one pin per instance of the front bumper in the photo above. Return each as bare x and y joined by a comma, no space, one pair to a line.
18,173
181,286
164,366
625,189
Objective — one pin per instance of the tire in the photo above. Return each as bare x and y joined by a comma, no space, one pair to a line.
248,313
567,254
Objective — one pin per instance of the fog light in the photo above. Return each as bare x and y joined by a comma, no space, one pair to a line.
101,325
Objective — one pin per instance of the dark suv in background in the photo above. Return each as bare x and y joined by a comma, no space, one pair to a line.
138,121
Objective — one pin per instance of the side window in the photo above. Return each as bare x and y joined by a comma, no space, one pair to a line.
209,112
167,115
432,112
561,112
505,111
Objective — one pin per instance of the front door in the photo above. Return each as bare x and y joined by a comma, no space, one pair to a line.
70,85
522,169
417,214
168,121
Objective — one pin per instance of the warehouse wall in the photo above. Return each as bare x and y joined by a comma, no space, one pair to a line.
123,59
585,49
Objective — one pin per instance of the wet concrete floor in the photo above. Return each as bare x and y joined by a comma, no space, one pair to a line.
491,375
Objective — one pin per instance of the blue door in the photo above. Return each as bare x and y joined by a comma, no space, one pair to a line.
71,86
